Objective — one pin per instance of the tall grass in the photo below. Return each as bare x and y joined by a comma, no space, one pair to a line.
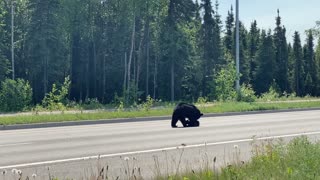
300,159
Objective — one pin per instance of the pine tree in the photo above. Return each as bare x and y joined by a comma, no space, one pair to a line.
211,56
191,76
253,36
281,66
310,65
228,38
244,57
218,46
317,54
298,65
265,63
291,69
174,46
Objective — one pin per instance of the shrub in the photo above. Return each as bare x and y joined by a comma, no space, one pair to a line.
15,95
224,82
271,95
146,106
202,100
92,103
247,94
57,98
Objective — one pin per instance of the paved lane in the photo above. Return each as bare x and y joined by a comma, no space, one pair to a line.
59,143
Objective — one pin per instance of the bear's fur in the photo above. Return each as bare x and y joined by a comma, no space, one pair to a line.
183,111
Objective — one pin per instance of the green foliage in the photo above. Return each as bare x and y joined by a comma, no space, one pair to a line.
224,83
297,160
247,93
146,106
56,99
45,57
176,50
164,110
254,38
15,95
299,72
4,63
202,100
210,41
91,103
265,71
270,95
120,107
281,56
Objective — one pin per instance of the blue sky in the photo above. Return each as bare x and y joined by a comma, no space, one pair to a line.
297,15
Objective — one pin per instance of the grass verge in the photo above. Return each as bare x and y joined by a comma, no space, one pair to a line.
165,111
297,160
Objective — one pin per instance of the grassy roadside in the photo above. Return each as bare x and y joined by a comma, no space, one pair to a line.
299,159
165,111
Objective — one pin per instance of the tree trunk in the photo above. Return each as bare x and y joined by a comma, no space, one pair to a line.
148,58
125,76
104,69
148,50
131,52
140,54
155,78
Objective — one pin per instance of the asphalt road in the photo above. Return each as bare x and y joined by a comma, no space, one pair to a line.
152,147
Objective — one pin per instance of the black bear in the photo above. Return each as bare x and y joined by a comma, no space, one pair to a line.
183,111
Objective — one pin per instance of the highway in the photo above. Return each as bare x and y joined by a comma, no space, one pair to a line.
153,147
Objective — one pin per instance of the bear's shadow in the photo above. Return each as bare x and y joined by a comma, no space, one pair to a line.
186,127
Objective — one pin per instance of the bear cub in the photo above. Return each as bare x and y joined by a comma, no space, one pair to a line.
188,115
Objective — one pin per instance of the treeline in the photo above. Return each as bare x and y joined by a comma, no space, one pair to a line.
168,49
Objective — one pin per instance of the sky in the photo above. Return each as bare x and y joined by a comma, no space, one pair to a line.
296,15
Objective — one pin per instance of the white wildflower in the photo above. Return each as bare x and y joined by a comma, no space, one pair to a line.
34,175
19,172
126,158
235,146
4,172
14,171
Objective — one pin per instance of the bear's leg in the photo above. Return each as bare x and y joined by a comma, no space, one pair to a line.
194,122
174,121
183,121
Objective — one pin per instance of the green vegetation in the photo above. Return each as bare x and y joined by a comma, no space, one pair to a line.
15,95
129,50
297,160
145,110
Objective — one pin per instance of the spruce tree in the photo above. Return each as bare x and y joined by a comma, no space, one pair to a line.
253,36
310,65
281,49
218,49
265,63
211,47
291,69
317,54
174,46
244,57
298,65
228,38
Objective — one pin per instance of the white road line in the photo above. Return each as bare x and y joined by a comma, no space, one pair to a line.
156,150
16,144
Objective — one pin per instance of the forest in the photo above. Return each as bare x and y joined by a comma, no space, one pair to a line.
131,49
